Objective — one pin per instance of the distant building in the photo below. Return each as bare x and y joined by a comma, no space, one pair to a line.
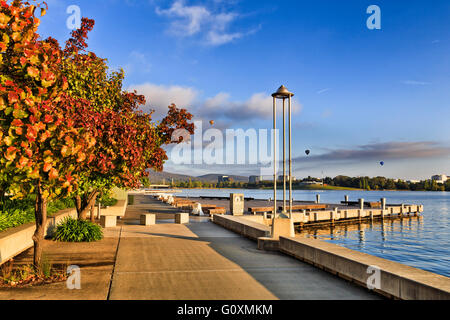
413,181
254,179
280,178
304,183
440,178
223,179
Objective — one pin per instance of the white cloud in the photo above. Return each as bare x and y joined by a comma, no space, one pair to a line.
212,26
416,83
192,17
323,90
137,61
258,106
159,97
220,107
216,39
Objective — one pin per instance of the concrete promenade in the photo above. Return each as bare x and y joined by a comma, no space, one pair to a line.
202,261
198,261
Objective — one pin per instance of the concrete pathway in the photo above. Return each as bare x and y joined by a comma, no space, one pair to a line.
202,261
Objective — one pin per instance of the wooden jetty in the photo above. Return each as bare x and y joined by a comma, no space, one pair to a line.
357,214
314,214
309,214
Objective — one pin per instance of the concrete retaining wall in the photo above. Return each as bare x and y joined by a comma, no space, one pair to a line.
117,210
396,280
16,240
119,194
242,226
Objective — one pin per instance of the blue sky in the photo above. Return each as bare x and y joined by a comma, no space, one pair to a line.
362,96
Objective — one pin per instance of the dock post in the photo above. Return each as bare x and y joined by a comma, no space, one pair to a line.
334,214
318,198
383,203
402,210
383,207
346,199
361,208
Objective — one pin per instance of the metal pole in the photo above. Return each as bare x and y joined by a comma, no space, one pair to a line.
274,158
290,157
284,156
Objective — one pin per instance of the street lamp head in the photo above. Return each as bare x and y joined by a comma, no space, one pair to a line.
282,93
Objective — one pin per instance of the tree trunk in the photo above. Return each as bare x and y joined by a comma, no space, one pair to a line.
2,198
78,206
40,214
84,204
92,212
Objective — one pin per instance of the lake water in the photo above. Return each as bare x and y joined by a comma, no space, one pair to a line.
418,242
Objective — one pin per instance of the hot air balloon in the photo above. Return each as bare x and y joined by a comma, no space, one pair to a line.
211,122
382,163
308,152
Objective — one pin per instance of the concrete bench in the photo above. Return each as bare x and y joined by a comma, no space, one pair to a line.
181,218
265,211
108,221
117,210
208,206
148,219
213,211
256,210
180,204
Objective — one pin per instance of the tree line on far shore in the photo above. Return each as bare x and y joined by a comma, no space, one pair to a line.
382,183
363,183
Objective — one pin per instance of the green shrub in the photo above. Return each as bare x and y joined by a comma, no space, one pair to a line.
72,230
60,204
14,213
108,202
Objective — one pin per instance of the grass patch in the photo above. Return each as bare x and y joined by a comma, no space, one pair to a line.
108,202
18,212
73,230
27,275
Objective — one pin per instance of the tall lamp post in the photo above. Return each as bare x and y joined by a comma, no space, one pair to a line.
286,96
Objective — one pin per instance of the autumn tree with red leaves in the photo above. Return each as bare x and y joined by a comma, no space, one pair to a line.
128,142
66,125
34,128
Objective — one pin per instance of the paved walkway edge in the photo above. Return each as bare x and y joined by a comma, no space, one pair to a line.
390,279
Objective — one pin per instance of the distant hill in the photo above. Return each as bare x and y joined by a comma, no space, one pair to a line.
159,177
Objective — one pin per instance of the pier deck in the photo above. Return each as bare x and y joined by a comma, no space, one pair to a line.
309,214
